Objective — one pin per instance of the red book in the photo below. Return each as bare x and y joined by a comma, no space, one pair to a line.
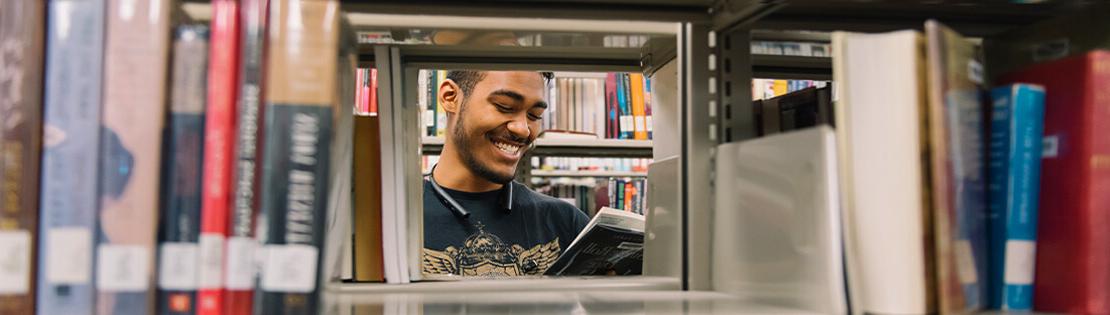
219,154
1073,245
612,128
372,92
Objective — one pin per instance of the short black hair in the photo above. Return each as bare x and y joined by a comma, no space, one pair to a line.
467,79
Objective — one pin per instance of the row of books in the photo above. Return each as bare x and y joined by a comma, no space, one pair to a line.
616,107
592,194
1023,231
185,168
796,110
591,164
768,88
787,48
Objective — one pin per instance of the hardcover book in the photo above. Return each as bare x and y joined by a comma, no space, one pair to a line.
957,174
301,92
183,151
71,129
136,54
1014,156
21,62
1071,274
887,236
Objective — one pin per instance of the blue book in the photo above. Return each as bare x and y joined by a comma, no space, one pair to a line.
1017,124
71,114
624,101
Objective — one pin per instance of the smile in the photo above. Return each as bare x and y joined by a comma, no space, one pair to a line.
510,149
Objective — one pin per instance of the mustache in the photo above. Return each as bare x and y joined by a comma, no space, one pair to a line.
507,136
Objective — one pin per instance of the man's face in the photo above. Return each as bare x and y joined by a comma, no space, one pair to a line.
498,122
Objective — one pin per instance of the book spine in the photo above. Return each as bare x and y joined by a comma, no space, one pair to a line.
22,36
636,81
441,116
219,155
182,151
627,127
647,107
427,101
71,117
301,87
373,91
1015,154
611,118
369,264
239,264
1097,108
135,66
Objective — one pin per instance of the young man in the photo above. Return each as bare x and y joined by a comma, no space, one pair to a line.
477,221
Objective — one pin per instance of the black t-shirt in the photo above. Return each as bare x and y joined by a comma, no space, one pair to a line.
493,242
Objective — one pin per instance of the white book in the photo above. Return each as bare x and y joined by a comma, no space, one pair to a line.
776,231
879,115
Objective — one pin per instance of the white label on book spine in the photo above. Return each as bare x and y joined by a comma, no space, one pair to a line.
640,123
965,262
210,272
626,123
290,268
177,266
429,118
15,262
69,255
240,263
1020,261
122,268
648,123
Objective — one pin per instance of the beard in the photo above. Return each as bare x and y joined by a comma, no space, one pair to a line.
463,143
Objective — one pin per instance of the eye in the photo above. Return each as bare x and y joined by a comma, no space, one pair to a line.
503,108
534,117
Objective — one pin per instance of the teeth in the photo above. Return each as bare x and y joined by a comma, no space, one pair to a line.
508,148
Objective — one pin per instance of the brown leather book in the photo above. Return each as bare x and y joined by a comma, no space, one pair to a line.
21,68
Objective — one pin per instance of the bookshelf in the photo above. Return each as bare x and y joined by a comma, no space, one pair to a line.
569,173
569,147
712,102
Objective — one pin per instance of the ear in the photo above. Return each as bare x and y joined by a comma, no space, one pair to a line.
450,96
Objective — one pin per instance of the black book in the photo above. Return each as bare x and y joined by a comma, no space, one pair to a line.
611,244
183,153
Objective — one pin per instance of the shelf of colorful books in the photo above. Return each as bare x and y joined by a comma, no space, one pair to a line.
571,173
569,147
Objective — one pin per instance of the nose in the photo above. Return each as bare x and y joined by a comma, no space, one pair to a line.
519,128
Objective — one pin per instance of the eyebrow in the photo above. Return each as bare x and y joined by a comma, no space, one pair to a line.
516,97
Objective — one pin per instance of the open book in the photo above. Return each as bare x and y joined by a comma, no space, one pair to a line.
611,244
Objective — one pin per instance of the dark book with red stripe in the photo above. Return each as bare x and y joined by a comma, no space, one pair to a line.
1073,256
219,154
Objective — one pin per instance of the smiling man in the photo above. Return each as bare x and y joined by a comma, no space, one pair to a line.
477,220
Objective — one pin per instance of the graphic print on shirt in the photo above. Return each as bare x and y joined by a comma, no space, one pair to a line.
485,255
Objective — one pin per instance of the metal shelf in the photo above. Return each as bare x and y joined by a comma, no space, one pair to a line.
570,173
569,147
533,284
791,67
